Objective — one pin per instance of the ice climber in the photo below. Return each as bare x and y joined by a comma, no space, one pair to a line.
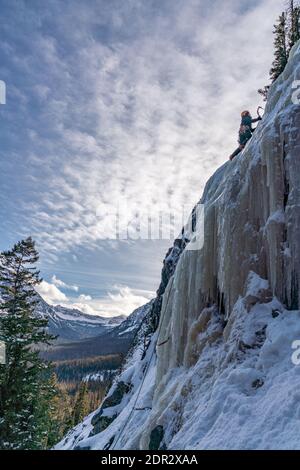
246,131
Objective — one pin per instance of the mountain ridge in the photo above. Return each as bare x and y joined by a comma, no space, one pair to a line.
71,324
108,339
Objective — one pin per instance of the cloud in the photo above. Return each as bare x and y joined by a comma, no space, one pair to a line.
50,293
84,297
142,114
58,283
121,300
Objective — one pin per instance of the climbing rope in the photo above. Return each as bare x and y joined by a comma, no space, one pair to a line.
144,375
164,342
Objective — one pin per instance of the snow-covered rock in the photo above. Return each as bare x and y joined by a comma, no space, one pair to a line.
218,372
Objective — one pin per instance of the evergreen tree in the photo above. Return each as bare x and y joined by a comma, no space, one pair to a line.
287,33
60,413
81,407
281,51
25,390
264,92
293,24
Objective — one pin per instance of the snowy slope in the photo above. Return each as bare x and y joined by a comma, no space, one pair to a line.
218,372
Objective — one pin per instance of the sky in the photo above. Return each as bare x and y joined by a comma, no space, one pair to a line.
118,105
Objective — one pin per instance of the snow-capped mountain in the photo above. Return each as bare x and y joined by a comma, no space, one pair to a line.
72,325
214,366
99,336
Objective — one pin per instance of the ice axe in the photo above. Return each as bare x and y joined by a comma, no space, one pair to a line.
259,107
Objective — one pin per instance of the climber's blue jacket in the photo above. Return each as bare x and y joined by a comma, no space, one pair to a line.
246,130
245,133
248,121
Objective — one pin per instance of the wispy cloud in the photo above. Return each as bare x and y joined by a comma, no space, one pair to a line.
59,283
120,101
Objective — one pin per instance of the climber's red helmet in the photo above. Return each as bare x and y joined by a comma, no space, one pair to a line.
245,113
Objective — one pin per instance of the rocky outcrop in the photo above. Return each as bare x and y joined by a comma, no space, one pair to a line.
156,438
169,265
100,422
